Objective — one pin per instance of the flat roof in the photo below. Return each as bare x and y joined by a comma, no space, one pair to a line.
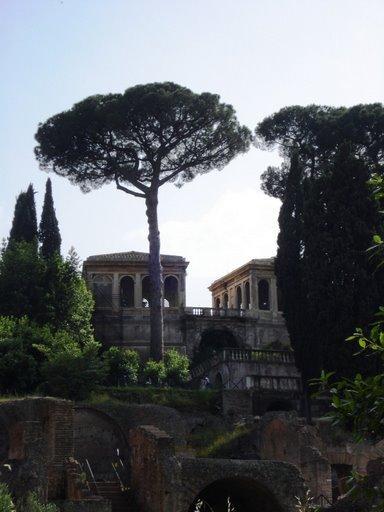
131,257
257,262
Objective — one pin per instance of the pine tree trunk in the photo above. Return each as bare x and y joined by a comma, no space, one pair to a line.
156,279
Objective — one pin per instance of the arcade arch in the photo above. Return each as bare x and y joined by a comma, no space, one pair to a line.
243,494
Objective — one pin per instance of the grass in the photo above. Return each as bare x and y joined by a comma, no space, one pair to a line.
216,443
180,399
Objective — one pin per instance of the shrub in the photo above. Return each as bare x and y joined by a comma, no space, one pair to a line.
71,370
6,503
122,366
176,367
32,504
155,371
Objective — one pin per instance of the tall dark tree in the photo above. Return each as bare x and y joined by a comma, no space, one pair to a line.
151,135
49,233
322,266
24,225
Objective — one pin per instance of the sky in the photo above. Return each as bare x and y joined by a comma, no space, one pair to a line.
259,55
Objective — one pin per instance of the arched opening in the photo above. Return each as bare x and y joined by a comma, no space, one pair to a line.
212,341
145,291
102,291
247,301
171,291
280,405
237,494
217,303
239,299
263,292
127,292
225,301
99,440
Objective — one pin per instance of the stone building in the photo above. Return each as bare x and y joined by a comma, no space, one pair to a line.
241,342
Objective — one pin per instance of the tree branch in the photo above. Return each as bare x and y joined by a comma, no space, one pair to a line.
127,190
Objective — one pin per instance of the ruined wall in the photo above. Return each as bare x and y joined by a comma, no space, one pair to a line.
39,434
152,453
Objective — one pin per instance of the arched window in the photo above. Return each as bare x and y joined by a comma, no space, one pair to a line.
238,297
127,292
145,291
217,302
263,289
171,291
225,301
247,300
102,291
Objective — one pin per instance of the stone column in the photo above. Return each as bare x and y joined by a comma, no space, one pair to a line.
243,297
138,291
253,291
181,290
115,291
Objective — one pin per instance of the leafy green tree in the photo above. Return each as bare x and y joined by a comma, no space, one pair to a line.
154,372
176,368
151,135
32,503
22,274
122,366
49,233
326,220
70,369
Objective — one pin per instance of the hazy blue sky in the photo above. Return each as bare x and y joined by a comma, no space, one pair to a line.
259,55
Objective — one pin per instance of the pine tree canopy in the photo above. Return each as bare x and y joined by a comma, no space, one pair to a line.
146,137
49,234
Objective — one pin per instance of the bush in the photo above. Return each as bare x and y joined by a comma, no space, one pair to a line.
122,366
33,504
6,503
71,370
154,371
176,367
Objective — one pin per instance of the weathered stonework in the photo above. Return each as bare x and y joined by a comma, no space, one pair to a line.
174,482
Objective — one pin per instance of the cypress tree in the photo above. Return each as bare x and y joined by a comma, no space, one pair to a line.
49,233
24,224
322,265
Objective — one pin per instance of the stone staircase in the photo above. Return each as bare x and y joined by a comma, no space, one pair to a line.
121,500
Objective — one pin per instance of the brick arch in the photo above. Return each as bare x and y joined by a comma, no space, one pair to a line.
97,437
342,458
269,486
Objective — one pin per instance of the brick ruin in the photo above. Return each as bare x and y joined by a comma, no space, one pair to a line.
46,442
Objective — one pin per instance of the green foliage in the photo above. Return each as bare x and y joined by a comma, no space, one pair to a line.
153,134
57,363
176,367
33,504
19,359
49,233
327,220
306,503
24,224
21,281
70,369
180,399
122,366
6,503
358,402
217,443
154,372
